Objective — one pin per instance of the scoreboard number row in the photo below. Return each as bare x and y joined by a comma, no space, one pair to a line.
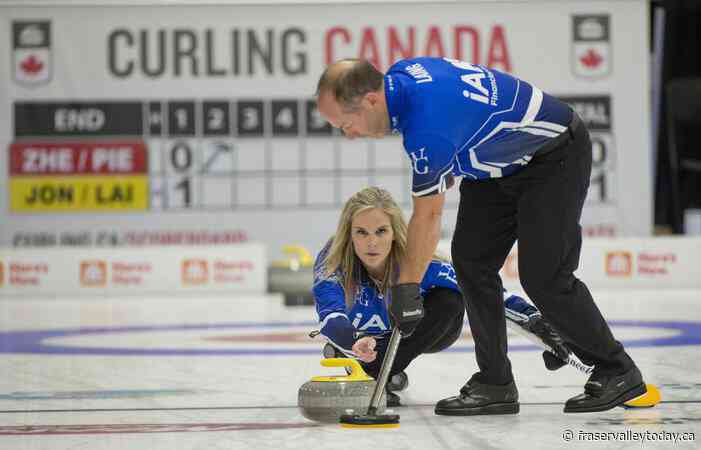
245,118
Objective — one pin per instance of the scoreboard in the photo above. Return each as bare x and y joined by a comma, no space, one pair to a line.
186,154
216,155
121,130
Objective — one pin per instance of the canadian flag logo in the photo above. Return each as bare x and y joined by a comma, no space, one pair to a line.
194,271
31,65
31,52
591,59
591,46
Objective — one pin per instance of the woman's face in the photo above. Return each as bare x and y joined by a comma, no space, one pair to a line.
372,236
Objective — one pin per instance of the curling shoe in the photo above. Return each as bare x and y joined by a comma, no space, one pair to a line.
398,382
393,400
480,399
603,391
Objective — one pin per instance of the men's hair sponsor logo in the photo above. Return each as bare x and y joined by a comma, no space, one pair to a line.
31,55
93,273
591,45
195,271
619,264
657,263
231,271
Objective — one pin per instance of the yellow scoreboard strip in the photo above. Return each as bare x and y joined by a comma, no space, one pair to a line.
79,193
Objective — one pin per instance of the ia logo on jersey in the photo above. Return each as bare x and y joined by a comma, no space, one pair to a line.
419,161
477,92
374,321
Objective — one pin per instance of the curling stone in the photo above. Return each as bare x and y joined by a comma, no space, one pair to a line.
293,277
325,399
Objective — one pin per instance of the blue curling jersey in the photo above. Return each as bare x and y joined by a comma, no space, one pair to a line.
462,119
369,311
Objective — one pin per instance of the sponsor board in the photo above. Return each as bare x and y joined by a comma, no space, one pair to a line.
660,262
174,269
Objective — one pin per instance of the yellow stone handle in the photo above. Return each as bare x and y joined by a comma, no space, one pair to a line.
357,372
300,257
304,257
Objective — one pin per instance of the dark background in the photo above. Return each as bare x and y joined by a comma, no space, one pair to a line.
681,59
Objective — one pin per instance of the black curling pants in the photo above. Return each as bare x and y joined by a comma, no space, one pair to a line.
439,329
540,206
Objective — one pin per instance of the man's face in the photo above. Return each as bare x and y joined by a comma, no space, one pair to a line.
369,119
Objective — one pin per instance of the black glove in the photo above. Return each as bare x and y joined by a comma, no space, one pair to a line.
407,307
552,362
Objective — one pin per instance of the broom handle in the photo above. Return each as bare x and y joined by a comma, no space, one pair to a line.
572,359
387,363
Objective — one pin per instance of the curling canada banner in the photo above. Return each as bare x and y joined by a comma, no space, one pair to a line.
181,120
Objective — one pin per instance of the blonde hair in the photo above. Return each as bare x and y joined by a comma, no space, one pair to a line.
341,256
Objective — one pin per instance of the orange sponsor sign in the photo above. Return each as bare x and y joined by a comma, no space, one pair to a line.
194,271
93,273
619,264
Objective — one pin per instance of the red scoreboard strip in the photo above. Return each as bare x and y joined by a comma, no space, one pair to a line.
123,157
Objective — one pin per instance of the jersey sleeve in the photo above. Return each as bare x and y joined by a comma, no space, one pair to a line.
432,158
517,307
439,274
329,299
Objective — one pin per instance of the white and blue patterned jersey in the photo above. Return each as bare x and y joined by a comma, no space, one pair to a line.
369,311
461,119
